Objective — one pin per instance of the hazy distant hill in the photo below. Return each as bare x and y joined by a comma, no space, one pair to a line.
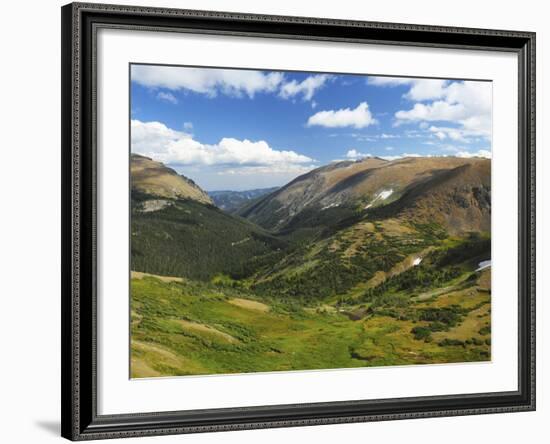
233,201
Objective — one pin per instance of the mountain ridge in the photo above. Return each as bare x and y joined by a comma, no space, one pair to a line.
233,201
348,187
154,178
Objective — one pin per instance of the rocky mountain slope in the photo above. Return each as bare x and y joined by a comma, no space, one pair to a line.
455,191
156,179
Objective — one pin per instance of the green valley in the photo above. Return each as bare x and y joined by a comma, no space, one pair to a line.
354,264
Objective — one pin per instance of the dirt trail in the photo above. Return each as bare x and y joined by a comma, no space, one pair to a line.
249,304
190,325
141,275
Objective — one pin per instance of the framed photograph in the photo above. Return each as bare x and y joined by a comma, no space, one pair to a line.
282,221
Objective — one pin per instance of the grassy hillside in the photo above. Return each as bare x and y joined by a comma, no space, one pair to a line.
355,264
192,328
360,254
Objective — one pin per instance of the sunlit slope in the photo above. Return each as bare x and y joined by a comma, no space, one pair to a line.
154,178
191,328
455,191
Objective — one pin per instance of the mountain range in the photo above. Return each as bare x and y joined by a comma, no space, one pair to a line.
233,201
451,191
327,230
356,263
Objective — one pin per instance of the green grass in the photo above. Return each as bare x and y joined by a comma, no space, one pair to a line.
217,336
319,297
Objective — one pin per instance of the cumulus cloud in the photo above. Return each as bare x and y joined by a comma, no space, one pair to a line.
360,117
156,140
283,169
426,89
207,81
354,154
401,156
388,81
306,88
167,97
440,110
149,138
230,82
454,134
457,153
421,89
480,153
466,104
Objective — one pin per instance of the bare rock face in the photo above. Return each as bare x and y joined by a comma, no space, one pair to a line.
150,206
156,179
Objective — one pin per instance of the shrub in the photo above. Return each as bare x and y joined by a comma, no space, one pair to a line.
450,342
421,333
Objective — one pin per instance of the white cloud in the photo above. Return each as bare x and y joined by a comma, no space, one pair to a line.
388,81
306,87
455,134
153,137
231,82
401,156
434,111
362,137
464,154
426,89
481,153
360,117
156,140
354,154
415,134
211,82
421,89
187,126
373,137
167,97
467,104
279,169
313,104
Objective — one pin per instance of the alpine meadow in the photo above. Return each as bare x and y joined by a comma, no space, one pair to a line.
286,221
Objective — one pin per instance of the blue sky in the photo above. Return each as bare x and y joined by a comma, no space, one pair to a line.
244,129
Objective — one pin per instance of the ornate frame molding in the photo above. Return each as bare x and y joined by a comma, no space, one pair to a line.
80,22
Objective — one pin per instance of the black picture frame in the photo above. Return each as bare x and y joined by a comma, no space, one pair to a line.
80,22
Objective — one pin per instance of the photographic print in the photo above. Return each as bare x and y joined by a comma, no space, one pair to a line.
285,221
